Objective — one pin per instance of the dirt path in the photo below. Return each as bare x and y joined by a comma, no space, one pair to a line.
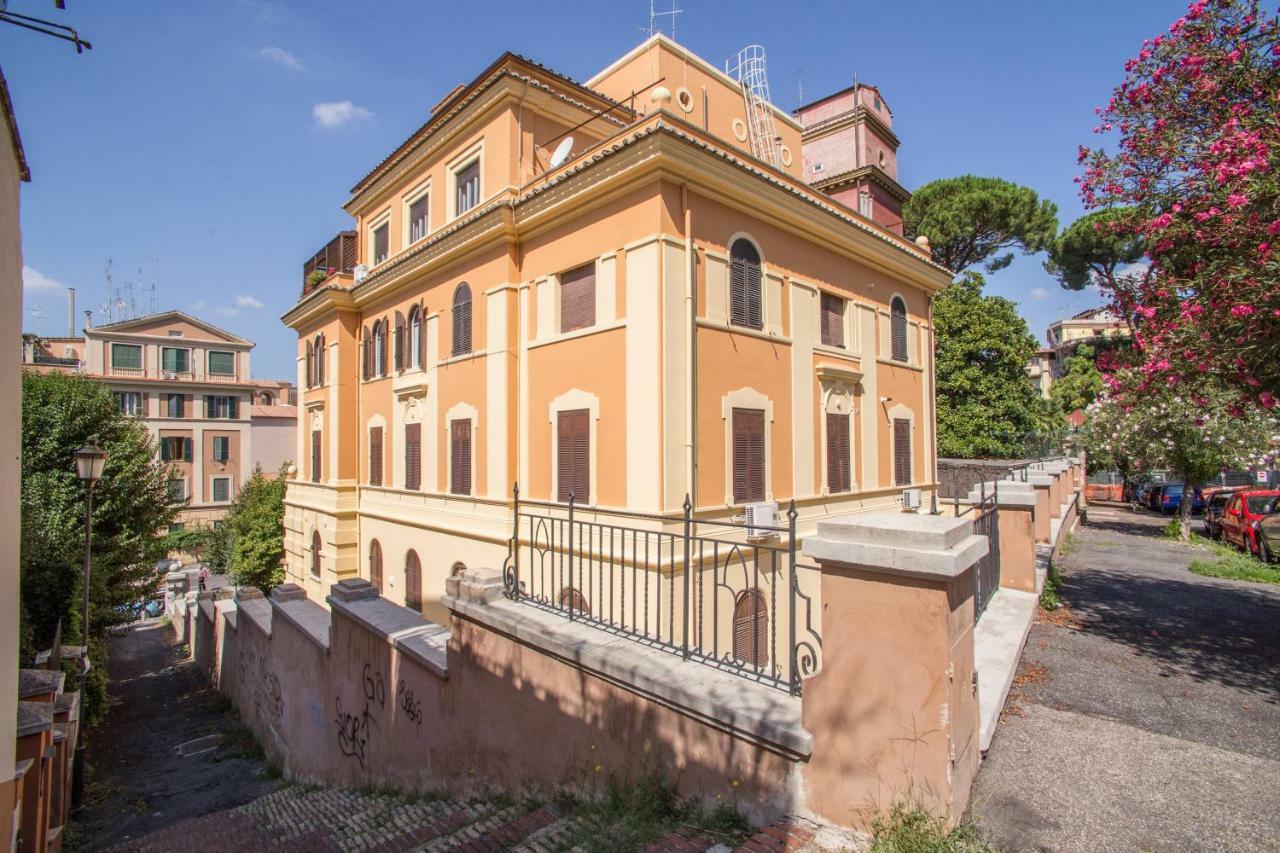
166,750
1145,717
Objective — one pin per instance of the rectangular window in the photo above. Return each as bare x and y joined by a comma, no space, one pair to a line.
127,356
418,219
838,461
375,456
177,489
221,489
901,452
175,405
832,321
578,298
175,448
175,360
573,456
381,243
864,205
460,457
217,406
316,456
748,456
221,448
413,456
222,363
468,187
130,402
177,526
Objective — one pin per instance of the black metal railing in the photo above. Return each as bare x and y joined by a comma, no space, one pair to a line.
986,522
721,592
1023,472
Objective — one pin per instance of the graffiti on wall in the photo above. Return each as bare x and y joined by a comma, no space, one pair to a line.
354,730
268,697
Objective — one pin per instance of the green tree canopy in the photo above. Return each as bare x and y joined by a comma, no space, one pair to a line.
986,405
971,220
1093,248
254,532
131,509
1080,383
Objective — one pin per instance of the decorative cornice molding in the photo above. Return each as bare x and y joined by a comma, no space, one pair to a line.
872,173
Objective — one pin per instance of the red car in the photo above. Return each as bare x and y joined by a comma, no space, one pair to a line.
1242,511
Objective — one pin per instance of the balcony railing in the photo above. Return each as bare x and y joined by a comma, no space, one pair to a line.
41,358
718,592
220,377
338,256
128,371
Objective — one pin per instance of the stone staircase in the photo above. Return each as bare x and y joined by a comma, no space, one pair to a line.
302,818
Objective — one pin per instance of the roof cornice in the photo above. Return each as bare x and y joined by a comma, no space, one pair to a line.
859,113
11,120
872,173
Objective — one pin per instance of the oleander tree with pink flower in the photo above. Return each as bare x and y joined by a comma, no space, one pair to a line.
1195,432
1195,164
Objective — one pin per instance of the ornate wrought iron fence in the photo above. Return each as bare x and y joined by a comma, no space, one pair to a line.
720,592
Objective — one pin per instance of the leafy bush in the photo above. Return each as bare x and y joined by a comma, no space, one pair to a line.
1050,596
910,829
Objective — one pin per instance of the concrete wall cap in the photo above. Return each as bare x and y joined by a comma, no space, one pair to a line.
224,593
288,592
352,589
307,616
906,559
248,593
897,529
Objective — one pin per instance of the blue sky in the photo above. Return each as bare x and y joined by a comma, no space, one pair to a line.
215,142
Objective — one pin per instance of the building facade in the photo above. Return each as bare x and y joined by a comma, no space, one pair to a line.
13,173
190,384
1096,326
597,289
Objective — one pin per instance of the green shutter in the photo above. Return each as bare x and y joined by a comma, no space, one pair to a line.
222,363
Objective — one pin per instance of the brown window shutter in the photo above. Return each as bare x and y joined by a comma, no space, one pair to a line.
316,456
413,456
573,456
838,479
375,456
578,298
748,456
460,451
382,343
320,359
898,328
751,629
422,336
412,581
462,320
400,351
315,554
365,354
375,565
901,452
744,286
310,366
832,320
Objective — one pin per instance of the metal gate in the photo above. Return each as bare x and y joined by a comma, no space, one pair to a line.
986,574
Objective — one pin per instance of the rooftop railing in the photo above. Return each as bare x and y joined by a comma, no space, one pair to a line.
337,256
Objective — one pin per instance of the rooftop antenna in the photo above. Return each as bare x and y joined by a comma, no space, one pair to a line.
654,15
154,307
38,313
800,84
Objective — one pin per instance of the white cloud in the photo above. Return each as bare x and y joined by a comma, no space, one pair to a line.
338,113
34,281
280,56
248,302
199,305
1039,294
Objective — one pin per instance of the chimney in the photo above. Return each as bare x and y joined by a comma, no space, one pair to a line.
88,319
71,312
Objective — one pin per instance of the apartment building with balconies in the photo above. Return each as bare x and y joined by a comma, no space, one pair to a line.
190,383
600,290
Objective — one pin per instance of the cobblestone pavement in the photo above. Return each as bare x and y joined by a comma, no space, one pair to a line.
1145,714
300,818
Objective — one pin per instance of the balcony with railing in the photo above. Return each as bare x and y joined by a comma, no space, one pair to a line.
338,257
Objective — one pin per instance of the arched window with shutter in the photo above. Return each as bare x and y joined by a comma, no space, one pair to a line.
570,598
380,348
898,328
310,365
315,554
366,354
401,354
375,565
751,629
745,285
416,341
412,581
462,319
318,376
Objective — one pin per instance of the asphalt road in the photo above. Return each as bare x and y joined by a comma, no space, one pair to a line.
1147,715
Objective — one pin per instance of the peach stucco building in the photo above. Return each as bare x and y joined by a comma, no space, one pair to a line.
654,314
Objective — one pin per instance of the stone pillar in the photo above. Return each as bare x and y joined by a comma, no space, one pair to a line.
893,711
1052,508
1016,504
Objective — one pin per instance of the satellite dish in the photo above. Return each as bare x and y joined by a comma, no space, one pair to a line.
562,151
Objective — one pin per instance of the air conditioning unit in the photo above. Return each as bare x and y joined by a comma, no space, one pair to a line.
910,499
169,374
360,272
759,518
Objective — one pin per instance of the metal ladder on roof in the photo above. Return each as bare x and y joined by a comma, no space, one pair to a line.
748,68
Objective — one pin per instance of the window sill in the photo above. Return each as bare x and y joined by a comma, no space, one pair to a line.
846,353
777,338
578,333
906,365
454,359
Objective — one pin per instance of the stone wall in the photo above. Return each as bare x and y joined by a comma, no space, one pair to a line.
957,476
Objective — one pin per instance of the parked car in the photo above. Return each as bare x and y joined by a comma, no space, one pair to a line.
1267,532
1242,510
1171,498
1154,496
1215,502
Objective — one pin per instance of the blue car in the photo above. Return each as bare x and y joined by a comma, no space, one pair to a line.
1171,498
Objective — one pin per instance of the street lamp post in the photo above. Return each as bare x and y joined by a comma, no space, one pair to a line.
90,461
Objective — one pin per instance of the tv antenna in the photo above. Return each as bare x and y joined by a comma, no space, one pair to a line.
654,15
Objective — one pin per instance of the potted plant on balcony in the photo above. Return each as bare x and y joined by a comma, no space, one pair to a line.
315,277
